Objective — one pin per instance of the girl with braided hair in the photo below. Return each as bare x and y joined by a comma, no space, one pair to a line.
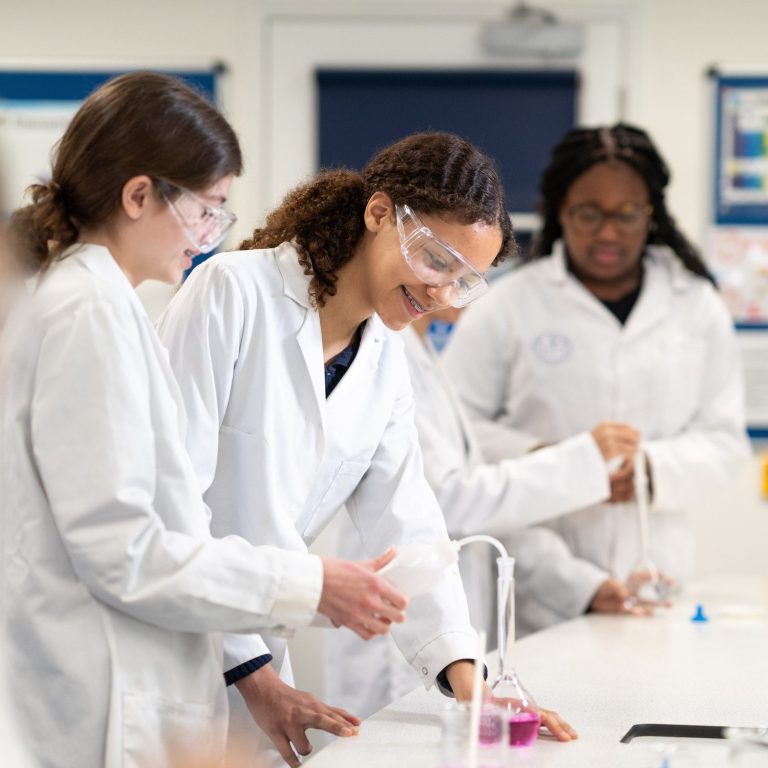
583,148
297,385
614,317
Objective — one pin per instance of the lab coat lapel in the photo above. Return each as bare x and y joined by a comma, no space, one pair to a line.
474,455
308,336
431,361
661,279
363,368
557,273
655,301
310,343
100,261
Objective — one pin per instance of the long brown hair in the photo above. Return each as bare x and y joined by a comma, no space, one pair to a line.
433,173
137,123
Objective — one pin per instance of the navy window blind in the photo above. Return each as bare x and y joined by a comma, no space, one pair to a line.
514,116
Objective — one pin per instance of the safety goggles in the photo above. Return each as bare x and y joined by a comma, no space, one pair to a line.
435,262
204,225
630,218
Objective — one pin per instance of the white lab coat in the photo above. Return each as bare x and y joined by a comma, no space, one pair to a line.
13,749
113,589
475,497
541,354
277,460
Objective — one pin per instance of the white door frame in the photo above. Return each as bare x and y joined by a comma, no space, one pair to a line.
301,36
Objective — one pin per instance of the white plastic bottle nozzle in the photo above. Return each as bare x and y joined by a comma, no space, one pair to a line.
419,567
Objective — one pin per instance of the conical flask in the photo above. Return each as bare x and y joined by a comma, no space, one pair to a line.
520,710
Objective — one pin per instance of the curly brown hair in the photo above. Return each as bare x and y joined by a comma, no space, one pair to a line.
433,173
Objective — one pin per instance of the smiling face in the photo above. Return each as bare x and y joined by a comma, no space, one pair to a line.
606,260
392,288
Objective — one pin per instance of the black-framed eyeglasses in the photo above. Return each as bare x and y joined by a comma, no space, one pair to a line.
630,218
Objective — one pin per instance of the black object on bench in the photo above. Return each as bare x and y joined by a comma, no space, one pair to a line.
674,731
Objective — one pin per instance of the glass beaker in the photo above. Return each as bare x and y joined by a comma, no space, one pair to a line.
455,722
520,711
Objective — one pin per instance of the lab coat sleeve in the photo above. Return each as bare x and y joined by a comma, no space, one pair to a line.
500,441
394,506
16,748
701,457
94,445
202,330
500,497
551,583
238,649
486,363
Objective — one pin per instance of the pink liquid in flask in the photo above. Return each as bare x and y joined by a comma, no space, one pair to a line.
523,729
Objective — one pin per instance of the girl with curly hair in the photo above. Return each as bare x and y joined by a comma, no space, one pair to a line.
297,386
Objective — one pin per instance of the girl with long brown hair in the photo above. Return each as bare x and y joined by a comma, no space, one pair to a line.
114,593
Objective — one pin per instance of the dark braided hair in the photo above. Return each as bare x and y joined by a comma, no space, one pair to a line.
433,173
582,148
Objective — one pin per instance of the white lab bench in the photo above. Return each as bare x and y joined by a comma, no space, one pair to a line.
604,674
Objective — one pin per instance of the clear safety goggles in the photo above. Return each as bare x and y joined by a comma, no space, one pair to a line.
435,262
205,226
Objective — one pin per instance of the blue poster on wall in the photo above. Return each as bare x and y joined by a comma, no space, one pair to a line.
737,242
741,161
42,86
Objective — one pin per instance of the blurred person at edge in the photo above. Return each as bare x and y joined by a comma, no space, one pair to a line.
13,751
12,271
114,592
613,317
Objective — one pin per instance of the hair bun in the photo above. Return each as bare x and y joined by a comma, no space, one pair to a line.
54,190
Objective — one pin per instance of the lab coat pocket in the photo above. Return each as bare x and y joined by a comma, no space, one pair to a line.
159,731
244,487
342,484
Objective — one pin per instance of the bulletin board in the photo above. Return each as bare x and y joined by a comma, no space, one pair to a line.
35,108
741,169
737,247
737,243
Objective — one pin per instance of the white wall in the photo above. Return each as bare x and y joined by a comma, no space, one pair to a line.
660,51
424,36
174,33
662,61
674,95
